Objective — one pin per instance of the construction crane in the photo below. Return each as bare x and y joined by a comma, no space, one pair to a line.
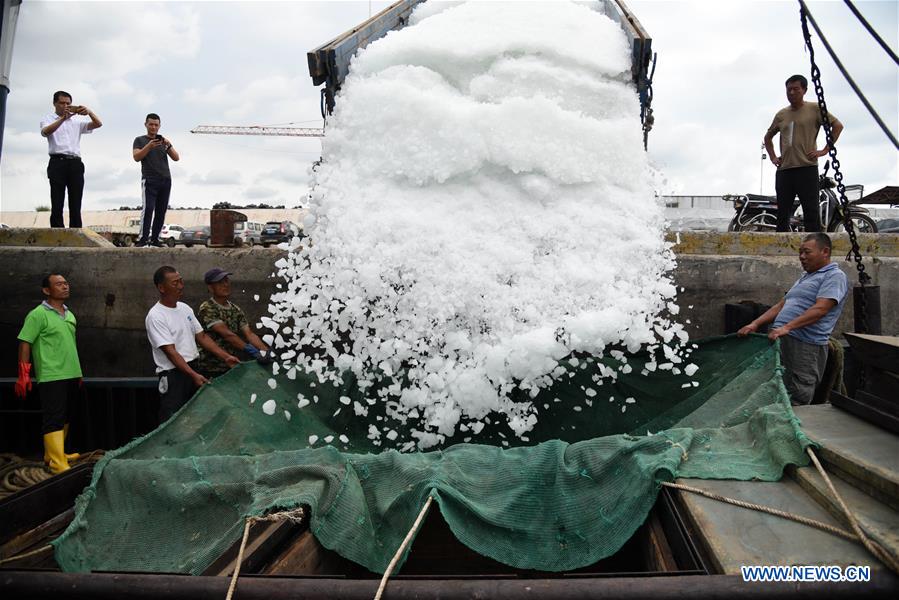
260,130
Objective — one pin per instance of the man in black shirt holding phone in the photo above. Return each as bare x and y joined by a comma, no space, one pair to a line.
153,152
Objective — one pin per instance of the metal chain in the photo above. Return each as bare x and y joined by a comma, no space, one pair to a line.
855,252
646,92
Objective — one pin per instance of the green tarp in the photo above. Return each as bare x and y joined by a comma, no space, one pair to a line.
572,494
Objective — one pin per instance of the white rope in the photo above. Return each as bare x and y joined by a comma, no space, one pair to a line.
871,546
402,548
296,516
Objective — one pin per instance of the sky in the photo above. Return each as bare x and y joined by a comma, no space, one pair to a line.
719,81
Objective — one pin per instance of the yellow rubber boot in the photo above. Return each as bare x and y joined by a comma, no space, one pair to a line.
65,433
54,444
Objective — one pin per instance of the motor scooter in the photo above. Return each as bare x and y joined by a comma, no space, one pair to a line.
759,213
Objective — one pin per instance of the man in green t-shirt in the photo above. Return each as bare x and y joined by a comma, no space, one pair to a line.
226,324
47,340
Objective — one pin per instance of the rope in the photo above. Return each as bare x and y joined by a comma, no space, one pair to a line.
858,536
402,549
872,547
295,516
846,76
873,33
766,509
18,477
40,550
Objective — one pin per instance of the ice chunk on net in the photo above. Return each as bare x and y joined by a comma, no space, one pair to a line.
483,210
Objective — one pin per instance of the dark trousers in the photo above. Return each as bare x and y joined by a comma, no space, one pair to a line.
802,182
155,192
58,400
175,389
65,173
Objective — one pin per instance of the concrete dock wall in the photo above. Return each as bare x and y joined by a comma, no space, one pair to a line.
112,288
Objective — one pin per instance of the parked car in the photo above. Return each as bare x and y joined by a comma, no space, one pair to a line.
195,235
170,234
275,232
888,226
247,233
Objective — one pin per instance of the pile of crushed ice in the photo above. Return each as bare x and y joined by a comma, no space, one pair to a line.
482,211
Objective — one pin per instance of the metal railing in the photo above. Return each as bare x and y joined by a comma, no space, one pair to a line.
110,412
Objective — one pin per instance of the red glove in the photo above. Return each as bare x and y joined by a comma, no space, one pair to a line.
23,383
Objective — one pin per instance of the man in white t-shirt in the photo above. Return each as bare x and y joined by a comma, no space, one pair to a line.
63,128
174,332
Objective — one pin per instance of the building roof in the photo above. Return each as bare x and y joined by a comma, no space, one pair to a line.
886,195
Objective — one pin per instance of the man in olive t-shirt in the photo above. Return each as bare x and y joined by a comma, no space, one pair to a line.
797,165
227,325
47,340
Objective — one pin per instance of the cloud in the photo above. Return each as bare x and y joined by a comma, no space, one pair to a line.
273,96
257,192
718,83
295,175
109,40
216,177
109,179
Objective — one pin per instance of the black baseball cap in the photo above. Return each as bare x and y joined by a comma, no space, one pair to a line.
215,275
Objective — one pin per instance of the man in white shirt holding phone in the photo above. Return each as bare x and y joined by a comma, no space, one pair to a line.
63,129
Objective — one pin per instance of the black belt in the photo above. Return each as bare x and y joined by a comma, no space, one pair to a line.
64,157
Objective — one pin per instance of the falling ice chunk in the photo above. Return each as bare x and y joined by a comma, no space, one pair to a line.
329,439
578,409
256,297
313,439
344,439
506,300
269,407
623,407
287,414
252,398
690,369
686,385
590,392
272,383
302,403
392,435
629,400
345,400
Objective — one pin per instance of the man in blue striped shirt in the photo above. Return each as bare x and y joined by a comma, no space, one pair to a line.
805,318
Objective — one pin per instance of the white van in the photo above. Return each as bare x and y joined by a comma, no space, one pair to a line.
247,233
